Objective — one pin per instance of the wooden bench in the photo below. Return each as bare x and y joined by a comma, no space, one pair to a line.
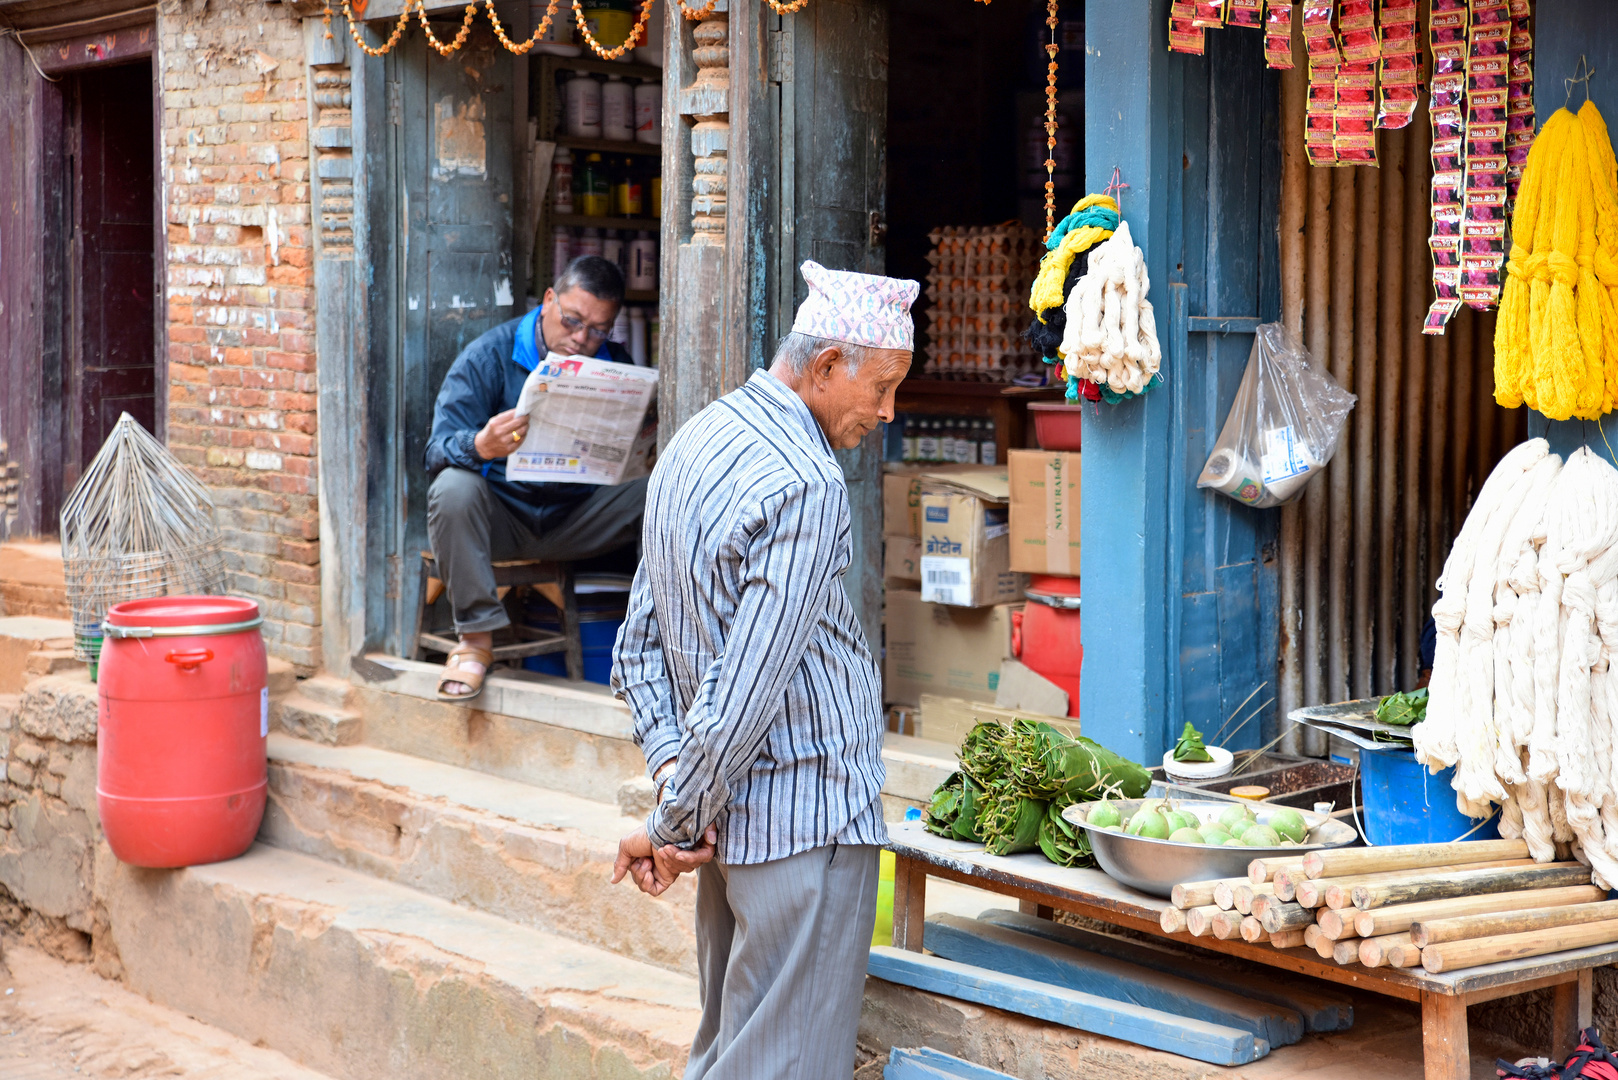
1043,888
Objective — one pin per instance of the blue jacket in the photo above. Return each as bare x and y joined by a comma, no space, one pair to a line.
487,379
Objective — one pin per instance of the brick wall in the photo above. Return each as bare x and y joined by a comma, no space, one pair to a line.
241,296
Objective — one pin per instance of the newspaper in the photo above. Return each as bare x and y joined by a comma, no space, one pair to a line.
587,422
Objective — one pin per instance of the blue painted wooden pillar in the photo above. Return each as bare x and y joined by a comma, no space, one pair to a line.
1128,116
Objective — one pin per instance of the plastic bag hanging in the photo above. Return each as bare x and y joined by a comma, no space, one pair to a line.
1283,427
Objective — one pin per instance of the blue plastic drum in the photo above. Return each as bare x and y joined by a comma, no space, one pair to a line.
1403,803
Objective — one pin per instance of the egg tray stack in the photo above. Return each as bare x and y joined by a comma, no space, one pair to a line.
1441,907
977,291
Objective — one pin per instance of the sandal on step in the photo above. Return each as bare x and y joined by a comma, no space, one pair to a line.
453,672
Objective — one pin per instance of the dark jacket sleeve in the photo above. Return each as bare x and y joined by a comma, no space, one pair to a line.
472,392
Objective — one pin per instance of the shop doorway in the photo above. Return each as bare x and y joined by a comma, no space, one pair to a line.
112,251
445,253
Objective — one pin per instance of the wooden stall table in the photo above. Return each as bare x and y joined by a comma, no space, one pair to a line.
1042,888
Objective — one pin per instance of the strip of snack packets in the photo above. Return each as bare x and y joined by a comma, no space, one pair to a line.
1399,78
1483,229
1278,35
1447,35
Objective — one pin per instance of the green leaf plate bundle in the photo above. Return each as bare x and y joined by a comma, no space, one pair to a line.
1015,781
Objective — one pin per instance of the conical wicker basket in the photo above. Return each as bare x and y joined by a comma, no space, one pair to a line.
137,524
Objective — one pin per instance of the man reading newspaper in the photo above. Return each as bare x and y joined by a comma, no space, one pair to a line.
476,515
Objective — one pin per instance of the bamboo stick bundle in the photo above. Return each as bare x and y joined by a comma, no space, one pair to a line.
1334,924
1346,952
1278,916
1253,930
1339,892
1404,955
1344,862
1455,955
1470,883
1227,924
1374,950
1288,939
1192,894
1199,920
1461,928
1243,895
1397,918
1262,870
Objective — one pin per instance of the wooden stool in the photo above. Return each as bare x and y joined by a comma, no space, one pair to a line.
553,580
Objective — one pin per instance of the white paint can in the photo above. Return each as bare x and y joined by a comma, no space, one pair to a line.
649,113
617,110
581,99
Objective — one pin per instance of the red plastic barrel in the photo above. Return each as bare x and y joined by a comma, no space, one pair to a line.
180,755
1045,634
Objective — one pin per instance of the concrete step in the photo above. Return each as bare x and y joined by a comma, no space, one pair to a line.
306,718
328,690
539,858
364,979
21,636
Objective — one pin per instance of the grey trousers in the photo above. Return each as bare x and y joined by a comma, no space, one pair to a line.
782,949
471,529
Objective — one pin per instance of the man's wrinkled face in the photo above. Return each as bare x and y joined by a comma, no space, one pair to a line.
848,406
576,322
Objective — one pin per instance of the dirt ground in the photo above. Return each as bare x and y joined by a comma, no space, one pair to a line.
60,1020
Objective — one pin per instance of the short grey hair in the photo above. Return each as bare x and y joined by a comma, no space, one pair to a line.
797,350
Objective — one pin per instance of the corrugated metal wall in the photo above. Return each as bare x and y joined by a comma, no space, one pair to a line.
1360,552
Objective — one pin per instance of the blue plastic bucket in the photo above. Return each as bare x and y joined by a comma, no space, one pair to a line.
1402,803
598,632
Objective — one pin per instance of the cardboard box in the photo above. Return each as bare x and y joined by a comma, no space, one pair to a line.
901,559
948,719
901,493
965,542
934,649
1044,512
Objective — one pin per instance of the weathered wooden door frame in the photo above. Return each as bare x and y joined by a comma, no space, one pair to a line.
36,344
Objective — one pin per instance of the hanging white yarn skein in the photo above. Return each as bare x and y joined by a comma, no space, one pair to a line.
1111,335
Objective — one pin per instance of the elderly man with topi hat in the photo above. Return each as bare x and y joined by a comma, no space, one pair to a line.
755,697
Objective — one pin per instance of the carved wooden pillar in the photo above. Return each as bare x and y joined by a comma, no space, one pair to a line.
707,101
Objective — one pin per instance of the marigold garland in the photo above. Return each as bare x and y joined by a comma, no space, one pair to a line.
1050,122
500,31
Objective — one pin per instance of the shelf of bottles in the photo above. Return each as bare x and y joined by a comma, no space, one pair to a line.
956,440
603,194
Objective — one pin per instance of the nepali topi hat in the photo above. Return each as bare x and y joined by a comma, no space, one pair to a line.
860,309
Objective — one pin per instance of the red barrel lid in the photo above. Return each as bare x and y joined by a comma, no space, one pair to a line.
183,611
1053,584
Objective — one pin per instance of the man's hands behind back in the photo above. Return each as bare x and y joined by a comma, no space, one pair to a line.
654,869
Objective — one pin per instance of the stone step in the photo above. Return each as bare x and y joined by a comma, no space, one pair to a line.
572,737
21,636
364,979
306,718
328,690
537,857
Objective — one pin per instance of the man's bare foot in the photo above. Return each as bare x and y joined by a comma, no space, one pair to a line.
467,664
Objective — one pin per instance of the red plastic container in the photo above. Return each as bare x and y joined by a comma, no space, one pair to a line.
1045,633
180,755
1057,425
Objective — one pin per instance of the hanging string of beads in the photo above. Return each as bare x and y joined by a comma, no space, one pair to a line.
539,34
1050,122
354,30
460,35
637,37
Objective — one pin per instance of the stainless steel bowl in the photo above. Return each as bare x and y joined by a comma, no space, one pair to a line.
1156,866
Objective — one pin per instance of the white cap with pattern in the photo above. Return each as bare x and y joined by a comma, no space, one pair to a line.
861,309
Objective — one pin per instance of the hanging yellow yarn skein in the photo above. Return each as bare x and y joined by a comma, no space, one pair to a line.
1591,391
1513,358
1604,186
1559,367
1047,289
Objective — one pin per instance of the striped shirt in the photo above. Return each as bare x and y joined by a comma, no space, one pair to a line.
741,654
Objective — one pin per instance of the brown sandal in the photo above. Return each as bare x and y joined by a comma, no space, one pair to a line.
457,674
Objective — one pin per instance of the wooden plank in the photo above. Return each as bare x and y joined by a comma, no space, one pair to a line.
1495,993
1444,1049
909,903
944,1064
1000,948
1320,1009
1215,1044
1222,324
1572,1006
1343,862
1391,920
